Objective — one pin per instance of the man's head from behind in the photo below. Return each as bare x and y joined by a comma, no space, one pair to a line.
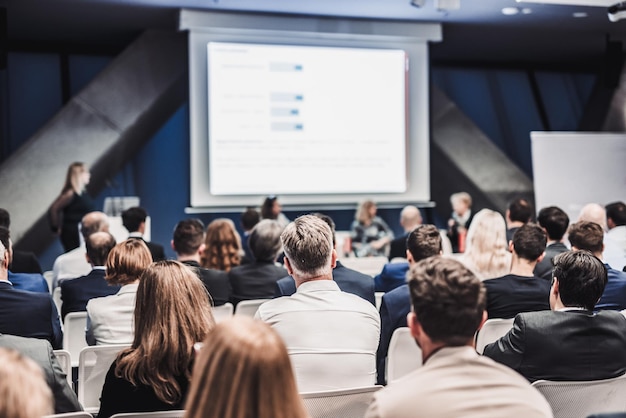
592,212
99,244
5,218
188,237
555,221
5,239
529,242
615,214
94,222
308,246
448,301
264,240
588,236
132,218
579,280
249,218
423,242
410,218
519,210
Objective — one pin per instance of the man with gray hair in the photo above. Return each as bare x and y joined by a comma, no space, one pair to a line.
331,335
410,218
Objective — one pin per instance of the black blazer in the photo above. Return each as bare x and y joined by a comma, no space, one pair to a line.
544,268
397,248
564,345
76,293
156,250
215,281
255,281
509,295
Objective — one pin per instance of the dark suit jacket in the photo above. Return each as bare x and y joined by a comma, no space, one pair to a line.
392,276
397,248
393,311
255,280
348,280
40,351
76,293
156,250
509,295
24,262
614,296
215,281
544,268
33,282
29,314
565,345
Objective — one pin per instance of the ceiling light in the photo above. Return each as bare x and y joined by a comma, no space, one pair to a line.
527,10
510,11
418,3
580,15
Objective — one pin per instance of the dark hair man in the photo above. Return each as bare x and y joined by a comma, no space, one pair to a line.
134,220
616,235
21,261
555,222
518,213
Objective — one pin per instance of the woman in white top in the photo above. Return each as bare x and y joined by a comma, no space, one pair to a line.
110,318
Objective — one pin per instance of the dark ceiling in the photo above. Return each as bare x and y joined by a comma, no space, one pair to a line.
477,32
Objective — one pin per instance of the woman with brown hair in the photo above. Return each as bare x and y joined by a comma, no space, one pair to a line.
244,371
370,235
172,313
110,318
222,242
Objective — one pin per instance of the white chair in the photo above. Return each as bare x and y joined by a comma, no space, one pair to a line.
78,414
65,360
93,364
249,307
159,414
379,299
581,399
342,403
49,276
403,356
74,326
56,297
491,331
223,312
366,265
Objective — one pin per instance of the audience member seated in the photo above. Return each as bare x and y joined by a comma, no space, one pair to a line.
172,314
73,264
188,243
520,290
77,292
613,254
22,261
24,313
134,220
519,212
23,389
331,335
423,242
486,252
248,219
448,307
241,359
33,282
555,222
570,342
257,280
589,236
222,246
460,220
348,280
410,218
272,209
616,223
110,318
369,234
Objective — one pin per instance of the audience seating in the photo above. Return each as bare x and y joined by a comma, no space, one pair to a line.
249,307
366,265
93,364
581,399
65,360
379,299
78,414
223,312
343,403
491,331
158,414
74,326
56,297
403,356
49,276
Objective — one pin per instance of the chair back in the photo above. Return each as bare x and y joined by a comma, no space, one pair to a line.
49,276
223,312
158,414
366,265
581,399
403,356
77,414
343,403
74,326
249,307
93,364
378,296
491,331
65,360
56,297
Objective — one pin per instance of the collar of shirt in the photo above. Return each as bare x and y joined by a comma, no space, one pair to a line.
135,235
318,285
570,308
99,268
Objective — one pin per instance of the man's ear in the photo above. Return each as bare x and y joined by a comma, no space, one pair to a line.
414,326
555,287
201,249
288,266
409,257
333,258
172,245
540,258
511,246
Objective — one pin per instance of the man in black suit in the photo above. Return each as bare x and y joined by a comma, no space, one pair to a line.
33,282
134,220
248,219
24,313
555,222
410,218
188,243
518,213
520,290
22,261
348,280
76,293
570,342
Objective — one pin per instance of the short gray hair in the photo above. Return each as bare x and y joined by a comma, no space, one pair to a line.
308,245
3,252
264,240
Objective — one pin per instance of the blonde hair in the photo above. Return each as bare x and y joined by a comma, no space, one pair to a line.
72,178
24,392
172,313
243,370
222,245
126,261
363,212
461,197
486,250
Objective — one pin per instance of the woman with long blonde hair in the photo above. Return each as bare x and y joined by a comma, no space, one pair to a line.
172,313
223,249
486,252
243,370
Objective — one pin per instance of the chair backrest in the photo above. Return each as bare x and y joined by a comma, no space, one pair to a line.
491,331
403,356
74,340
49,276
378,296
249,307
56,297
581,399
366,265
65,360
77,414
223,312
159,414
93,364
344,403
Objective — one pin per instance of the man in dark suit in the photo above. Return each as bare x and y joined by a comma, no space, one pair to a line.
570,342
555,222
518,213
520,291
423,242
410,218
188,243
134,220
33,282
21,261
76,293
40,352
248,219
24,313
348,280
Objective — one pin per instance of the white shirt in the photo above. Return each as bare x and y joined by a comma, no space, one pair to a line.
71,265
331,336
110,319
615,247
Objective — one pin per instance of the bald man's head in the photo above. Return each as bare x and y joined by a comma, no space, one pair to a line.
410,218
593,212
99,244
94,222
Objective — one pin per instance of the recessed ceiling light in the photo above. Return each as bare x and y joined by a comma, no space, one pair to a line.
579,15
510,11
527,10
